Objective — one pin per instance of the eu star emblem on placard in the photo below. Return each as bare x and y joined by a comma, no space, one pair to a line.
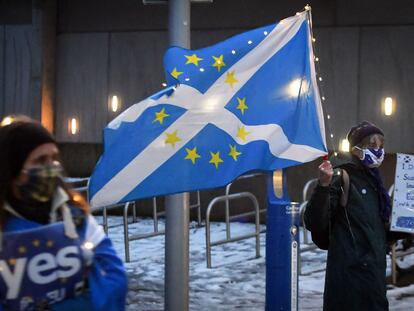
39,266
248,103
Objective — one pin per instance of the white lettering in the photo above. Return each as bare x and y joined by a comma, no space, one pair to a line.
13,280
65,261
41,263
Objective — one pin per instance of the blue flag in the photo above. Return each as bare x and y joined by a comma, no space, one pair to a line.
248,103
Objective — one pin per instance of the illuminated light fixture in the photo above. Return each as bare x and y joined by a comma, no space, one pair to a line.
187,79
73,126
202,69
320,78
249,42
344,145
297,87
114,103
233,52
331,135
278,183
323,98
328,116
265,33
388,106
6,121
164,84
316,59
313,40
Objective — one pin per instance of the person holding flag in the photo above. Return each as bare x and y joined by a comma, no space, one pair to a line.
348,214
53,254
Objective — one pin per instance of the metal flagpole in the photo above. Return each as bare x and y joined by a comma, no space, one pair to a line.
177,205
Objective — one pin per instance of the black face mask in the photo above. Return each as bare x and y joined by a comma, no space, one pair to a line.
41,184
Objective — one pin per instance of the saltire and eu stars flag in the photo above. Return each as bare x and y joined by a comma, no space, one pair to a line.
248,103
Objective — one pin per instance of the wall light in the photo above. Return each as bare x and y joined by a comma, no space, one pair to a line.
6,121
73,126
388,106
114,103
344,145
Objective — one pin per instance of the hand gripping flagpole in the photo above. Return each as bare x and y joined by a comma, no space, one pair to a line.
282,239
177,205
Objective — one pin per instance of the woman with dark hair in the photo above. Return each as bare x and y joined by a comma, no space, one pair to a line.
53,254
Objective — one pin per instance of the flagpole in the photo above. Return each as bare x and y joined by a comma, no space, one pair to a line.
177,205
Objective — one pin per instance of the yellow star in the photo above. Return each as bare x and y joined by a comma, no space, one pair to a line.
22,249
219,62
242,104
175,73
192,154
172,138
215,158
193,59
159,116
242,133
234,153
36,243
231,79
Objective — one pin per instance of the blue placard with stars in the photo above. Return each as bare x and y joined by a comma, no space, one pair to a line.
39,267
248,103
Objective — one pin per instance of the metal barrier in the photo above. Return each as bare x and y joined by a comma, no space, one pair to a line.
302,208
155,215
234,196
227,210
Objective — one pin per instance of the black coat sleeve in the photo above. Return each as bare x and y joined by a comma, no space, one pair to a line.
319,210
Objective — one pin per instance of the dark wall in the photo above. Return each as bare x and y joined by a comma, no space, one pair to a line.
115,47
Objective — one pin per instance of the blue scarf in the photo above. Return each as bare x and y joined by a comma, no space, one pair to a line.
384,198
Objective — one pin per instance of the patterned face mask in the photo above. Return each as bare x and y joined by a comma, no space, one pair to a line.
42,183
372,157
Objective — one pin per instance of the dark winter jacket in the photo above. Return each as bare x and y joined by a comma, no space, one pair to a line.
355,273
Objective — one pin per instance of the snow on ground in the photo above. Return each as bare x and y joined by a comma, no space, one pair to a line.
237,280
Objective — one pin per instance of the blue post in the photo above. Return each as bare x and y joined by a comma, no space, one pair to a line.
282,246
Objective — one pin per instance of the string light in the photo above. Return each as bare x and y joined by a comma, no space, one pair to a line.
233,52
313,40
323,97
320,78
202,69
187,79
164,84
249,42
316,59
331,135
328,116
265,33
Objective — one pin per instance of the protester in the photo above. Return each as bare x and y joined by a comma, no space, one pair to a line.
349,214
53,254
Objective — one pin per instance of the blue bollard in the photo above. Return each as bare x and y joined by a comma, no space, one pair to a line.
282,246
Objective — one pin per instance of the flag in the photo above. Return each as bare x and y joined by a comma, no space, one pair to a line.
248,103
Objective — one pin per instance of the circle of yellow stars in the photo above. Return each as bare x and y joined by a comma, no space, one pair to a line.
22,250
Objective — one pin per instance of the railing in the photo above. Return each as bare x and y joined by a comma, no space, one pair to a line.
228,239
228,218
155,215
